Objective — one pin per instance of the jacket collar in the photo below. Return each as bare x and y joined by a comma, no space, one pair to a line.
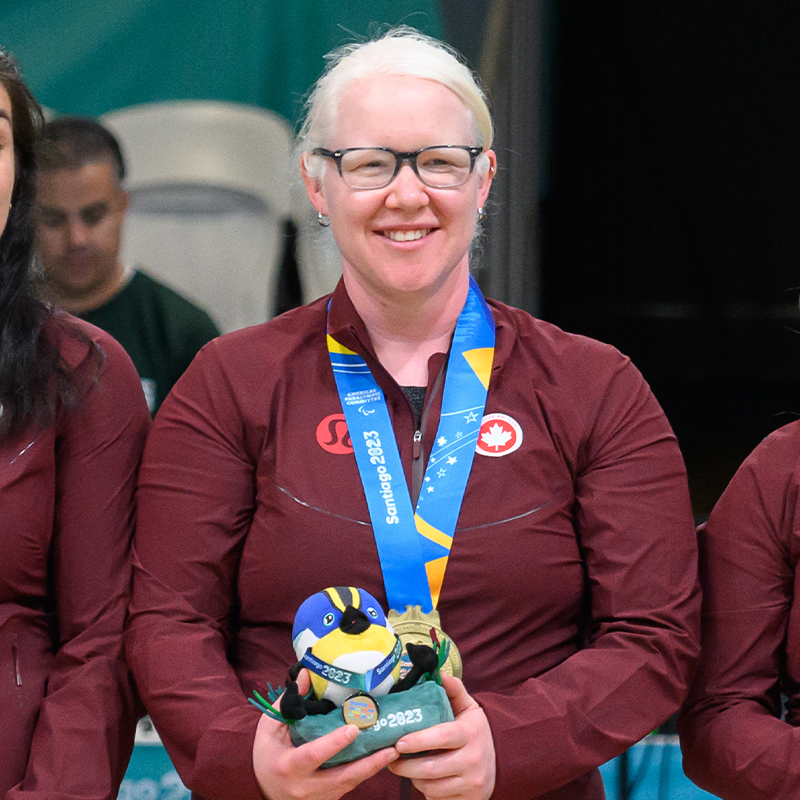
347,327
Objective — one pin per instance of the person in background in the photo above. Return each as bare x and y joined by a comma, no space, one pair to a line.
740,727
80,214
72,427
535,503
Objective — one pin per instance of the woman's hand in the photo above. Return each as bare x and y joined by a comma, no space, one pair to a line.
466,768
286,772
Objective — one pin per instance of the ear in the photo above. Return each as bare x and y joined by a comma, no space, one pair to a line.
487,178
313,186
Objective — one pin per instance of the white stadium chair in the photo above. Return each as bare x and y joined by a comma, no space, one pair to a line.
211,187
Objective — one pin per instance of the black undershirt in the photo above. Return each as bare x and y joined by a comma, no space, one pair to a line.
416,396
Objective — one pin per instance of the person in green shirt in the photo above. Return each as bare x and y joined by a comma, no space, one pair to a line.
80,211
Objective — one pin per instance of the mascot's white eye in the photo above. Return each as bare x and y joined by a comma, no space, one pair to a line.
328,619
372,612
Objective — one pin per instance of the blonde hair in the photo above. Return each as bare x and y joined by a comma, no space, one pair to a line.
400,51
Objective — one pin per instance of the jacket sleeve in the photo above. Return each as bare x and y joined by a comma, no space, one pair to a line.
733,739
194,511
632,518
84,734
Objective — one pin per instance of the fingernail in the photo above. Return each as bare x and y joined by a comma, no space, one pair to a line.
402,747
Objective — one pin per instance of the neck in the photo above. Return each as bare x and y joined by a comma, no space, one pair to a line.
81,302
405,332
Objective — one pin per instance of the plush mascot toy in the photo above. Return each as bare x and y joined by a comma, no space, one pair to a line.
342,637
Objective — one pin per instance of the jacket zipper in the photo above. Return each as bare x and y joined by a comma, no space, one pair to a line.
416,467
418,460
15,651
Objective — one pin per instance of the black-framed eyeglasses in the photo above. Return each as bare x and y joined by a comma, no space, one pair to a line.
442,166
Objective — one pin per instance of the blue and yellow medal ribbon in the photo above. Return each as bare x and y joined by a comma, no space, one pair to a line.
414,545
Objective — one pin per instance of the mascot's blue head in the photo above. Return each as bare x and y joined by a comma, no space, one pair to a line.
322,613
345,628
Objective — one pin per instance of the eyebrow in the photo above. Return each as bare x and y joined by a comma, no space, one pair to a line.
5,115
100,204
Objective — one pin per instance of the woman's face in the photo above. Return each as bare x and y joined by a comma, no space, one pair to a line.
405,114
6,157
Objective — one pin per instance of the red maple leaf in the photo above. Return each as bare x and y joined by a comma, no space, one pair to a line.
496,436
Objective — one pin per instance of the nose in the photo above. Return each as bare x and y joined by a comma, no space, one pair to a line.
76,230
353,621
407,190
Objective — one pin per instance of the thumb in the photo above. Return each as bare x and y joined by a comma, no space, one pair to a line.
460,700
303,682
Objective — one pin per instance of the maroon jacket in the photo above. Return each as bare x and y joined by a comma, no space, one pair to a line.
734,741
570,589
67,714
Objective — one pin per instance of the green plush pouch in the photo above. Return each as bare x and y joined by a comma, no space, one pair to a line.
422,706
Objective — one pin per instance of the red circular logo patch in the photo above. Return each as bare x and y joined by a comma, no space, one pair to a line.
333,436
499,435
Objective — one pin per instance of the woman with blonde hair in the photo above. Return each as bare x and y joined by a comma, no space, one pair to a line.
517,484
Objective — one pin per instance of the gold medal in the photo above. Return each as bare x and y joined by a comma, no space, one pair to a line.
360,710
414,627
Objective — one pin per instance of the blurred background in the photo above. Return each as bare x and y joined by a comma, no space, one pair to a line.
648,191
649,185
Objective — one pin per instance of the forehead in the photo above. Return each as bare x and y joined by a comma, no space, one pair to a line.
75,188
401,112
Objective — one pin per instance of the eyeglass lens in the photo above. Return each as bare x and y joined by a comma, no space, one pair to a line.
437,167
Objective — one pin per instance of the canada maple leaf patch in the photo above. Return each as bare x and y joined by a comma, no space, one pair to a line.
499,435
496,437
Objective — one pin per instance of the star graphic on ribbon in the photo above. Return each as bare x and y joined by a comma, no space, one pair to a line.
471,417
441,441
452,460
441,473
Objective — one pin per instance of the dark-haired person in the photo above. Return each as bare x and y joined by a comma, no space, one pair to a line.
80,213
740,727
72,427
520,481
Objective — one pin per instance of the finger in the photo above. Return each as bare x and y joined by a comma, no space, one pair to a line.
441,788
314,754
339,780
446,736
435,765
303,682
358,771
460,700
303,687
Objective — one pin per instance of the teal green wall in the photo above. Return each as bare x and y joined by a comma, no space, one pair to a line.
91,56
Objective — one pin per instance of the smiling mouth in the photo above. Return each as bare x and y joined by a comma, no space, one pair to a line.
406,236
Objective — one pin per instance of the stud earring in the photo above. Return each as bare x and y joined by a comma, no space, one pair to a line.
480,214
323,220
